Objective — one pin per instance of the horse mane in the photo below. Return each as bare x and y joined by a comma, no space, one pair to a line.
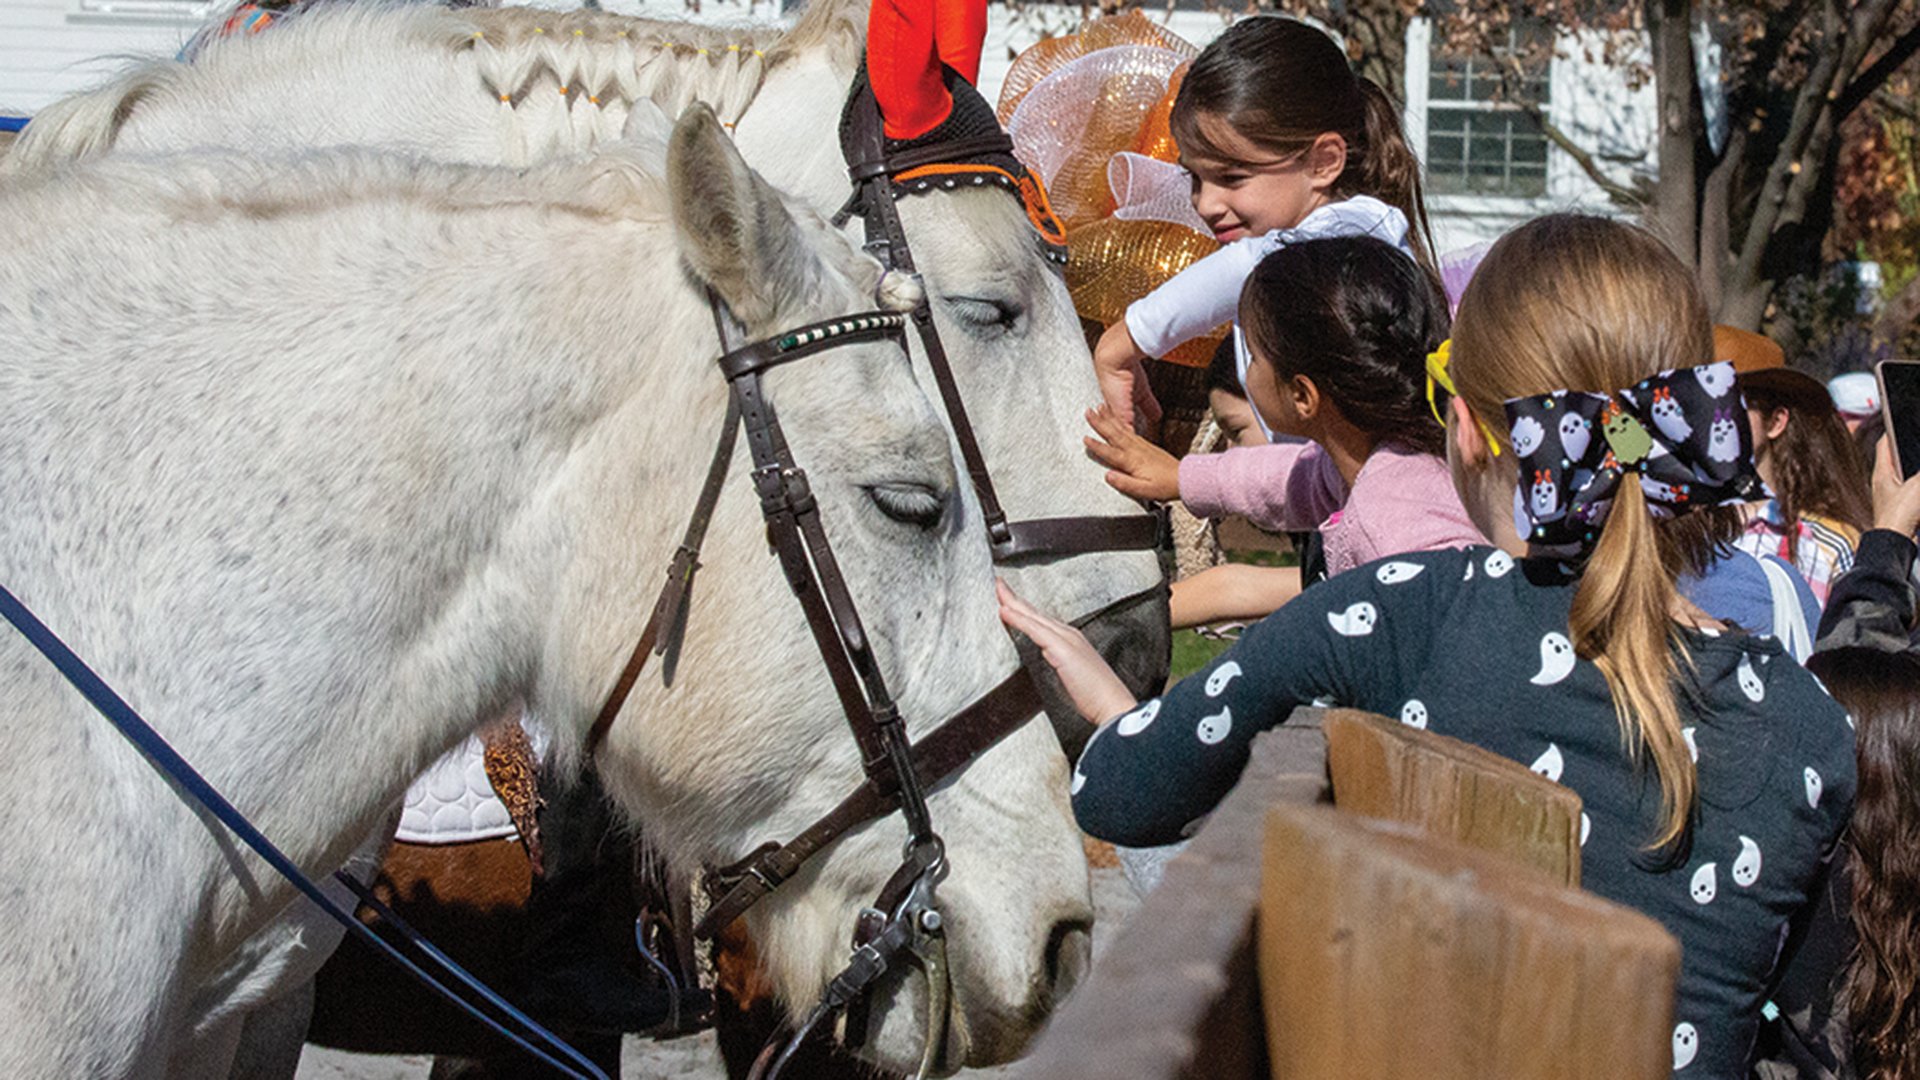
621,182
593,58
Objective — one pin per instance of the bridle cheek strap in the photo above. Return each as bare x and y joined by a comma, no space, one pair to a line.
666,626
873,170
946,751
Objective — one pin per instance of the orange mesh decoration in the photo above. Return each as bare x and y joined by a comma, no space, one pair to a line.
1072,124
1039,61
1156,131
1052,54
1071,105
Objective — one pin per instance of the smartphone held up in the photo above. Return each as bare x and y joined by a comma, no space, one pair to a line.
1900,409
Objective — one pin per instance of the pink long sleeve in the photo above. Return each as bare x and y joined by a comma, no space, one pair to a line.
1281,487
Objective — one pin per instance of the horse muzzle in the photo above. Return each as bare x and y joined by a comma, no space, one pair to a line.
1135,637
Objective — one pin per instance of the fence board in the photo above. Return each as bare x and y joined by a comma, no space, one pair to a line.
1384,769
1393,954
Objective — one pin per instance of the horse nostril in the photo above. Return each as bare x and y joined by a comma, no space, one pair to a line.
1069,954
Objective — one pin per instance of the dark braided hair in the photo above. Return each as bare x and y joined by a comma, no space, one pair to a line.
1358,318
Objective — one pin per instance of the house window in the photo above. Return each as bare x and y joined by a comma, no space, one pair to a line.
1479,142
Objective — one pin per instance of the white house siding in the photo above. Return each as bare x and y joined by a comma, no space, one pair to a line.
1590,101
49,48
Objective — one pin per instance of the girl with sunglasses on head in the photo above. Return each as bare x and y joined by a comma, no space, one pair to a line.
1339,330
1584,413
1285,143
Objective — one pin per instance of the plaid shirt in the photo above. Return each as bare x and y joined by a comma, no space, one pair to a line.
1823,551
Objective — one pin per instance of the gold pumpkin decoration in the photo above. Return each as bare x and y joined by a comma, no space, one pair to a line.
1116,262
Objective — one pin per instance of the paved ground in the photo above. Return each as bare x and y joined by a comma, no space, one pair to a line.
691,1058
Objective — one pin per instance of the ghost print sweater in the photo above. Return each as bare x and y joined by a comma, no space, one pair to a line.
1474,644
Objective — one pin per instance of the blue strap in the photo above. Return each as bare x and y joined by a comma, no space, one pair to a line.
148,741
13,123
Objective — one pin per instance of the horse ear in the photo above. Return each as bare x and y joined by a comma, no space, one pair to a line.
733,230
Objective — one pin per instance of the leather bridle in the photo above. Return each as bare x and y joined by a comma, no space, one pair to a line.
903,923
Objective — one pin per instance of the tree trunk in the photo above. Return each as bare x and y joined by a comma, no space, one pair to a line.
1674,211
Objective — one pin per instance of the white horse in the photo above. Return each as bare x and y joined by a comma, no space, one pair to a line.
322,462
514,86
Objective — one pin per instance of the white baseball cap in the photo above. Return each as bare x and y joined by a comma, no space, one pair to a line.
1856,393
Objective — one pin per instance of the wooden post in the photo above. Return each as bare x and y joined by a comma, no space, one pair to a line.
1389,954
1384,769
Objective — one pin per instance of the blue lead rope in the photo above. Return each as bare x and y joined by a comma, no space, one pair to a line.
13,123
149,742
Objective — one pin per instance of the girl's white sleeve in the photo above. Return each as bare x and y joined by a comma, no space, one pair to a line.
1197,299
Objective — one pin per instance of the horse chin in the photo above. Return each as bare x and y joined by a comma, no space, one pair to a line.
897,1032
983,1029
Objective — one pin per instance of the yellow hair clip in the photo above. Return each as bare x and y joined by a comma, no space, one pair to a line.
1440,380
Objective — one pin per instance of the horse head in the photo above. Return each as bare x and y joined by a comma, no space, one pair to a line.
749,745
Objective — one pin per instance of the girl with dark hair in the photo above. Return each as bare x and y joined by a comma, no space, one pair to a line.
1227,400
1806,455
1849,999
1584,413
1340,330
1285,142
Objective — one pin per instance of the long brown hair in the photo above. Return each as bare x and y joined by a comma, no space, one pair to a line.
1816,469
1881,987
1281,83
1571,302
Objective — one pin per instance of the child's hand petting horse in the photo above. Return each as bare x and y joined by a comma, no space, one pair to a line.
1135,465
1096,691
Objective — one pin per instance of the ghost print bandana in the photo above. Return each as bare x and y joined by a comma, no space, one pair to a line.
1683,433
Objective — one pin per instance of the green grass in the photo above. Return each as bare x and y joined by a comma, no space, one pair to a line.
1191,652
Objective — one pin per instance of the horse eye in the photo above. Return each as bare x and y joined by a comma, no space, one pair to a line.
986,314
909,504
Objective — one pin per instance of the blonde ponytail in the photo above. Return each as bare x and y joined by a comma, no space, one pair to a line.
1622,620
1572,302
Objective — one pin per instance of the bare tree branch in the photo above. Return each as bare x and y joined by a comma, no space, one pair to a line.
1875,76
1622,194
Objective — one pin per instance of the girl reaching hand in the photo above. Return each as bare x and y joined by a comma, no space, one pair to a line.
1285,143
1339,330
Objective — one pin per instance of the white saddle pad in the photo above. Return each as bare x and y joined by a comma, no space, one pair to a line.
453,802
